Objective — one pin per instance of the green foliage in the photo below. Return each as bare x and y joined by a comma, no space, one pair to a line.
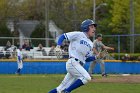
39,32
136,16
69,14
32,9
4,32
134,56
120,16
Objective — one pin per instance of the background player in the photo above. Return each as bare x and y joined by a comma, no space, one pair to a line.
80,49
98,46
19,60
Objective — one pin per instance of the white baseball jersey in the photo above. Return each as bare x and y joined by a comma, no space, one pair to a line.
19,53
80,45
19,62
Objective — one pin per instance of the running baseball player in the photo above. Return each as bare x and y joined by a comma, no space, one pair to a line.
98,46
19,61
80,51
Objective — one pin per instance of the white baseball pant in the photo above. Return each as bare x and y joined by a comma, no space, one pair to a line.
74,71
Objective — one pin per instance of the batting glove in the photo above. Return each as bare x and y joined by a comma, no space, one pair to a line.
58,49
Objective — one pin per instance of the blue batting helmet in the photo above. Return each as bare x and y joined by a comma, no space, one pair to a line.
86,23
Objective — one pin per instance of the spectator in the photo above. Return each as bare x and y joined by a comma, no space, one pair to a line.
1,54
17,45
27,46
138,58
132,58
52,50
126,57
8,45
40,47
65,49
8,49
65,46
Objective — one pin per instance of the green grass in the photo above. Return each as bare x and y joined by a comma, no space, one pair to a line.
44,83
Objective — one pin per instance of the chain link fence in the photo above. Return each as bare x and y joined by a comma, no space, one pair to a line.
121,43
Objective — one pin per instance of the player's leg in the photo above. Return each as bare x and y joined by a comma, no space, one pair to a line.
102,66
80,73
68,80
20,66
18,69
91,67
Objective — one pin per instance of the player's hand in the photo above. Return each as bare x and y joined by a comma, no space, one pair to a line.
58,49
98,56
112,48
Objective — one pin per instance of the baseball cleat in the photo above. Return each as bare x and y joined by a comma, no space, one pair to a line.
91,76
64,91
17,73
104,75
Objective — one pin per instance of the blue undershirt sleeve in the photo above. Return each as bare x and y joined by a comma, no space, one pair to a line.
61,39
91,58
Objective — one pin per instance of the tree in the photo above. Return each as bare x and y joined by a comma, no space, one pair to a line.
32,9
137,24
120,21
4,32
136,16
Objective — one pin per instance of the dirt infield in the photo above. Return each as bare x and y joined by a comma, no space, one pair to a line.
118,79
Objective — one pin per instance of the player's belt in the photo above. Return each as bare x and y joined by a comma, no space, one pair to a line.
80,62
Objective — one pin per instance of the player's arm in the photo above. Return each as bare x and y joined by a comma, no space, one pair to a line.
70,36
59,42
95,51
108,48
91,58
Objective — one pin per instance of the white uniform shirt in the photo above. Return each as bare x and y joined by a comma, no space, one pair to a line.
80,45
19,53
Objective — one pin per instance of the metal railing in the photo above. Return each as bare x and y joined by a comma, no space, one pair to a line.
121,43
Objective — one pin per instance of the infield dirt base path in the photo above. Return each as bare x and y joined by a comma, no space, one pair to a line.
118,79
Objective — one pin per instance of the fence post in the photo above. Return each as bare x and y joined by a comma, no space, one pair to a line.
119,47
13,41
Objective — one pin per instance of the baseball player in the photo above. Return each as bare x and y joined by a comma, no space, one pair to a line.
19,60
80,50
98,46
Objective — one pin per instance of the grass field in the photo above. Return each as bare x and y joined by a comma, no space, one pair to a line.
44,83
